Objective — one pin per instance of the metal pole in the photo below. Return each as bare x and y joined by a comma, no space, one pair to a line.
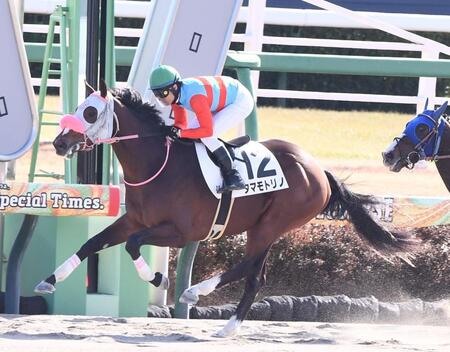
12,294
87,161
104,151
77,66
102,37
184,275
110,75
110,79
89,171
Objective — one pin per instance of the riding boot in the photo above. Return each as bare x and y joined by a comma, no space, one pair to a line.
232,180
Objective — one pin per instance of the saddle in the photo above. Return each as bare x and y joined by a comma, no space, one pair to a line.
231,146
256,164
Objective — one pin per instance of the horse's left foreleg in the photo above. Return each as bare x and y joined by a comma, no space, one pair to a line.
114,234
163,235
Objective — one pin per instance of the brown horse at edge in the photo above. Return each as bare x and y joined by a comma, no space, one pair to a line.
177,207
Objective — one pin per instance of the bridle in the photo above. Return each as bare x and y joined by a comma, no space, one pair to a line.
87,144
418,152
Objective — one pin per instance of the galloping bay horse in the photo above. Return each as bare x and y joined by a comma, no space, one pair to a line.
177,207
425,137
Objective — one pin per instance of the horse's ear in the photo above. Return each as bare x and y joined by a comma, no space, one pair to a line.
437,114
89,86
103,88
426,105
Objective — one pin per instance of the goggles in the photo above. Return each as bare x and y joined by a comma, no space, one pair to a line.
161,93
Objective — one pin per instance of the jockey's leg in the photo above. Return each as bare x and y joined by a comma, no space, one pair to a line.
231,115
164,235
232,180
114,234
227,118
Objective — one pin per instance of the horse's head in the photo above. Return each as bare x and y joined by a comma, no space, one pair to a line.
420,140
92,120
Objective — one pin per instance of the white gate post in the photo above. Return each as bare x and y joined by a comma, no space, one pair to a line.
254,32
427,85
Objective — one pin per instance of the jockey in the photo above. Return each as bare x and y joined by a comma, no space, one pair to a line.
219,103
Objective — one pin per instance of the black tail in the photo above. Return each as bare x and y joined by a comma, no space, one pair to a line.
357,206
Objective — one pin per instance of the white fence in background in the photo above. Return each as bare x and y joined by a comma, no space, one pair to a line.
254,39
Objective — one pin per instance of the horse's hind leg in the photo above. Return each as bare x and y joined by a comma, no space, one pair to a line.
114,234
257,249
204,288
253,284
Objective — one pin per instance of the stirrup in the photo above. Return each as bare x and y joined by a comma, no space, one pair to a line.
229,188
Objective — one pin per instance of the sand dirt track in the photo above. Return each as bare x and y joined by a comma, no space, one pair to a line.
97,334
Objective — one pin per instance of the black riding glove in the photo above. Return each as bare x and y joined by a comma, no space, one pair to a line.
172,132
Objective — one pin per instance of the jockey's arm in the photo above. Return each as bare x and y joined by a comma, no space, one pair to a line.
180,116
200,106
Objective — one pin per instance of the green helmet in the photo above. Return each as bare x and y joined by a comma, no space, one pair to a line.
163,76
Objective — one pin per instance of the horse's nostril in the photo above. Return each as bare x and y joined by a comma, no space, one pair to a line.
387,156
59,144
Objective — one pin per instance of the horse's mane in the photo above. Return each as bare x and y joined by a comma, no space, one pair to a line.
132,99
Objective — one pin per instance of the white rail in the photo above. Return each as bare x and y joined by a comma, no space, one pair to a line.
118,31
381,25
397,24
366,98
335,43
278,16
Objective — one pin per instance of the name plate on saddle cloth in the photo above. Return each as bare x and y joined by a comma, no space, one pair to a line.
259,169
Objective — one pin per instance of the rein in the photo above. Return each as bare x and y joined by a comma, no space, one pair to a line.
436,156
418,148
112,140
168,144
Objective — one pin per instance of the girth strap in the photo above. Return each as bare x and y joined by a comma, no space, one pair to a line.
221,217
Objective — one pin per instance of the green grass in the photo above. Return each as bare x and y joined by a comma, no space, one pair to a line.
333,134
349,135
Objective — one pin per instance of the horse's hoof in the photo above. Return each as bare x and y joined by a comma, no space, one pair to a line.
230,329
165,283
224,332
189,297
159,281
44,288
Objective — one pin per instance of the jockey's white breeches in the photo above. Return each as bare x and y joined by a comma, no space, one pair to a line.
229,117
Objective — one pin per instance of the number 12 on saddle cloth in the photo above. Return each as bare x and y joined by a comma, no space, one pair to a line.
257,165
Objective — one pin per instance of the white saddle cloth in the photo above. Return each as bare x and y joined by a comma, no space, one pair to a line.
257,165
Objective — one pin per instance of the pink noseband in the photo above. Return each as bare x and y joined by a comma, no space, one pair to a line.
71,122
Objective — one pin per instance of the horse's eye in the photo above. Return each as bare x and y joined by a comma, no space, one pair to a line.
422,130
90,114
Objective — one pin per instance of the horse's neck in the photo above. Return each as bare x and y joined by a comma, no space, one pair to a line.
142,157
139,157
443,165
